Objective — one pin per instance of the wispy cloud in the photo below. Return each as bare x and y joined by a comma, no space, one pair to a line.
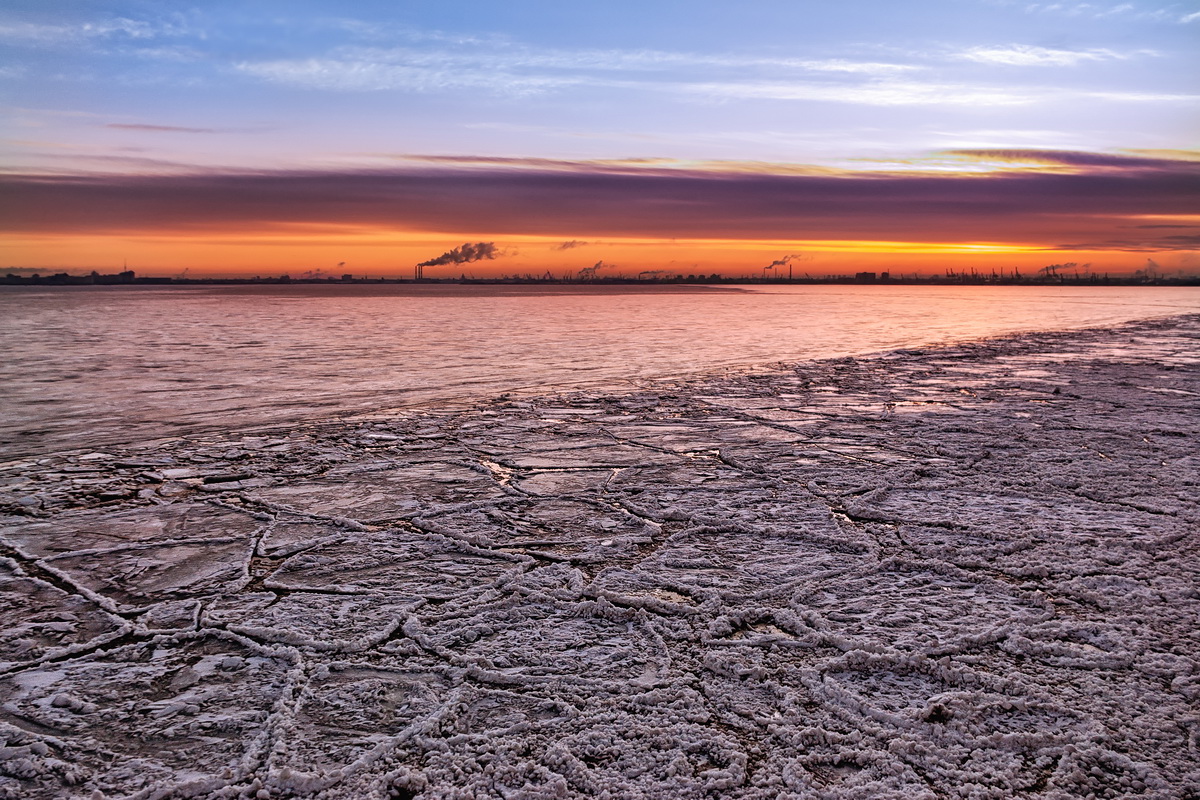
881,93
656,60
1140,244
1171,13
60,34
70,164
502,53
1084,161
179,54
979,138
931,93
377,31
631,166
365,75
114,28
512,69
1023,55
37,116
157,128
1141,97
431,62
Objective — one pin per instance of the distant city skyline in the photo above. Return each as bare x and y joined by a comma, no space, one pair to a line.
238,139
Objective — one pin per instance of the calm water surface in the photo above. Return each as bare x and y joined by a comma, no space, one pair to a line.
95,366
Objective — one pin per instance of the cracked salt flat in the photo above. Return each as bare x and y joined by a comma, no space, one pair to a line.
383,495
192,712
41,620
560,528
958,572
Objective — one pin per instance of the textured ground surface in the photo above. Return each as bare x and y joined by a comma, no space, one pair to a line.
964,572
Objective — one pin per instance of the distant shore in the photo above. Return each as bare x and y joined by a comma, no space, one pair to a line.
968,278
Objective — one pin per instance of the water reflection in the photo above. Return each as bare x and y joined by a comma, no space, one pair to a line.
93,366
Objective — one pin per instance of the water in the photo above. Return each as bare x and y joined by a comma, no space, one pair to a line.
89,367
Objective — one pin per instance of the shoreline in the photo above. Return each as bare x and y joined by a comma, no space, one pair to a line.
924,572
11,456
679,282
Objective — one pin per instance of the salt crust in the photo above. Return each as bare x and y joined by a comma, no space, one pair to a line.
961,572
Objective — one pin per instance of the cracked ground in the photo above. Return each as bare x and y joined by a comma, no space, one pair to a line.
967,571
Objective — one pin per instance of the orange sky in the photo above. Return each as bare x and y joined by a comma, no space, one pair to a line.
984,210
387,254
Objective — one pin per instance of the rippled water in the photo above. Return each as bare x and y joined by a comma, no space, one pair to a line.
86,367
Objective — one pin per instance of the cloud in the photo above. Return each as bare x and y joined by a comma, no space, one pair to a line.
112,28
351,57
507,68
107,162
659,60
1069,158
1141,97
570,245
879,93
177,53
1184,243
464,254
1023,55
538,163
1169,13
509,56
1085,203
361,75
157,128
911,93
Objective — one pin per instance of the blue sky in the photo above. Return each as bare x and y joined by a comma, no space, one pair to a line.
157,86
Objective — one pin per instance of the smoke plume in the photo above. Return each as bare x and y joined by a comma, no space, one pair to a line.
464,254
783,262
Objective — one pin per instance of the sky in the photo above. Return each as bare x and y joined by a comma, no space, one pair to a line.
650,137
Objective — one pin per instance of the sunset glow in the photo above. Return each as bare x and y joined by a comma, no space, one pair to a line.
229,142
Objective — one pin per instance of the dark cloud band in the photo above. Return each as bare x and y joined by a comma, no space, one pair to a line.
1020,207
